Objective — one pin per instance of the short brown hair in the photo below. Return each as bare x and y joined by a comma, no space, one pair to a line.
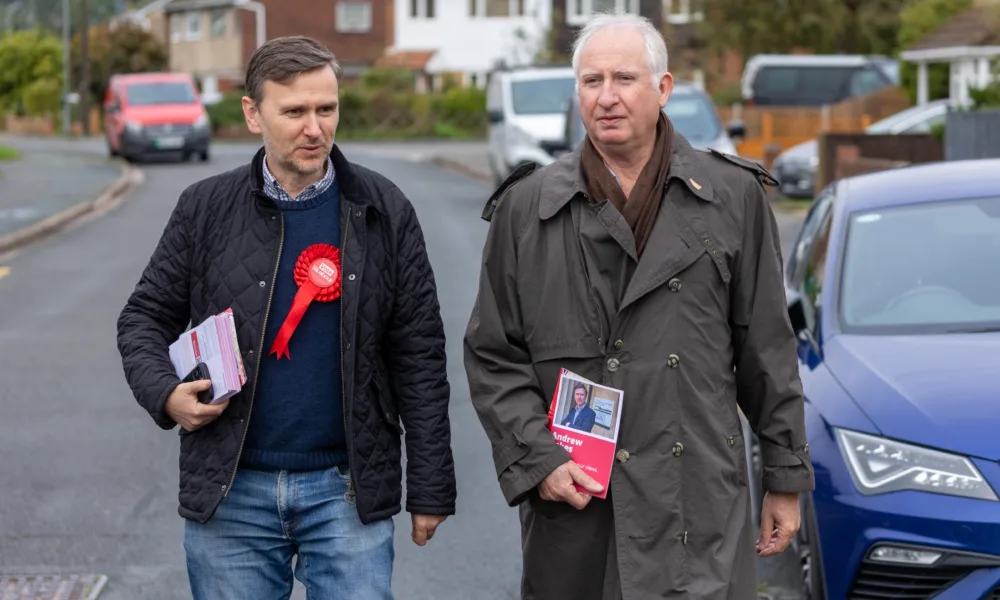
282,59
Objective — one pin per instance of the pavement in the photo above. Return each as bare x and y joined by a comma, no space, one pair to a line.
52,185
88,484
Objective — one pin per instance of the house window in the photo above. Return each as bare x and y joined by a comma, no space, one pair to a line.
422,9
193,26
496,8
354,17
219,22
680,12
176,27
581,10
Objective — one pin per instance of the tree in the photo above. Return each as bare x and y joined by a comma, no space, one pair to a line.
127,48
917,19
817,26
30,72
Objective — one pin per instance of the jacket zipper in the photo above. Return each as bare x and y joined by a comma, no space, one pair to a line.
343,379
256,373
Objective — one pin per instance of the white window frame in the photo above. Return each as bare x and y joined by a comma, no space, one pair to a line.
684,15
511,10
176,27
193,18
422,9
212,22
581,18
344,27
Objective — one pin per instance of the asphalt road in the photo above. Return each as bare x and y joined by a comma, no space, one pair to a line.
88,482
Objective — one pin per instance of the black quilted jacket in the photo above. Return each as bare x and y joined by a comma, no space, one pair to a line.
219,250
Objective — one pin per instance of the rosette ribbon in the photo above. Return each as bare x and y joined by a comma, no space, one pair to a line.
317,273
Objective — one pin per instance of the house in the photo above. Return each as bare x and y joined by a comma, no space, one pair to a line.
969,43
464,40
213,39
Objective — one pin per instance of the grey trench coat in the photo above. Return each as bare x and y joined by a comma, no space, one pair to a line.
690,331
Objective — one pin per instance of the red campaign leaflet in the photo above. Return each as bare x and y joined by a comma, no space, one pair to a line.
584,418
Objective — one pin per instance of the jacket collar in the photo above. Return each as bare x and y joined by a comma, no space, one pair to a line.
348,182
565,177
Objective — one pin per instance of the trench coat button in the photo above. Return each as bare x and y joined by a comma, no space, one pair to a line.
675,284
622,455
673,360
732,442
805,449
619,344
613,364
350,277
678,449
262,284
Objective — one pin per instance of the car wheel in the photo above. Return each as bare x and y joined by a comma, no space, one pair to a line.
806,546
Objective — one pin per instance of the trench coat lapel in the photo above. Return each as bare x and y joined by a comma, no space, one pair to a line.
673,245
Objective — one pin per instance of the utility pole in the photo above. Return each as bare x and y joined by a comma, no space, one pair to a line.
85,68
66,70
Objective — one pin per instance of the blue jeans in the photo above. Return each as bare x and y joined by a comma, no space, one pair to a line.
245,550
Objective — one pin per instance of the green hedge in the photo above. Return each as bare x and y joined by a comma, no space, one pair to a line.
388,112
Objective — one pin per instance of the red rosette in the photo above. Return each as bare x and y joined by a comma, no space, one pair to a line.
317,273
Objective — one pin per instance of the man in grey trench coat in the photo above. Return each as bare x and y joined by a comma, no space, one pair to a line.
643,264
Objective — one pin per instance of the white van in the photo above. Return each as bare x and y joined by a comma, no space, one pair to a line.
814,79
527,116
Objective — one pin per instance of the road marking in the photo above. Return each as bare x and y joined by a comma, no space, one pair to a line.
4,271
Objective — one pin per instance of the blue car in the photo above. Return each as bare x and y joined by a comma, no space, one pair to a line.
893,288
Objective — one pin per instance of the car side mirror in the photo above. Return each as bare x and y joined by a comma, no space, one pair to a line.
495,116
796,310
737,130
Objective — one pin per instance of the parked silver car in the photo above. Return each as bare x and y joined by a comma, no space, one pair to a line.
795,168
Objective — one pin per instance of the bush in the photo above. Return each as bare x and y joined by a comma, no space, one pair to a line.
227,112
391,80
42,97
27,57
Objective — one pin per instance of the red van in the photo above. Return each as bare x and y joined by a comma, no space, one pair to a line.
147,113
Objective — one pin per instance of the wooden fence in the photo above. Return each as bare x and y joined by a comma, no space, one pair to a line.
772,129
847,154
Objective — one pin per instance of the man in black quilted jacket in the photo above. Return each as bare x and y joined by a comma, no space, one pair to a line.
323,264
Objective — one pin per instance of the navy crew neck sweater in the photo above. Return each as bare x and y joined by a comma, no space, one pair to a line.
297,421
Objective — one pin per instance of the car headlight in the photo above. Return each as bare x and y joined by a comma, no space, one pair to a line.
201,122
133,126
813,161
879,466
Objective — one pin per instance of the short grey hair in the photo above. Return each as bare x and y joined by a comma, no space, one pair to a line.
656,47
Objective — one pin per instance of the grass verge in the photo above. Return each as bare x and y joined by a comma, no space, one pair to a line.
8,153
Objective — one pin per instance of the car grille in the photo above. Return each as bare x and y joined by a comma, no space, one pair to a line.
168,129
899,582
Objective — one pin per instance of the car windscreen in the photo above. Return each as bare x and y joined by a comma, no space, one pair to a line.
541,96
692,114
920,269
801,85
168,92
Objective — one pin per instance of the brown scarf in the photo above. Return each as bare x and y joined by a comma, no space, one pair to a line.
640,208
